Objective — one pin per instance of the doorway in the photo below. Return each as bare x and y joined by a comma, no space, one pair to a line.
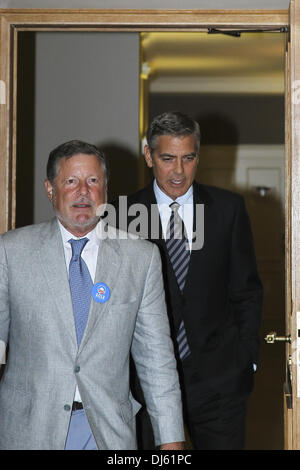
237,96
13,23
234,87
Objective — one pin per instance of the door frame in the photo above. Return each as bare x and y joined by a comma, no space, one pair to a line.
13,21
292,93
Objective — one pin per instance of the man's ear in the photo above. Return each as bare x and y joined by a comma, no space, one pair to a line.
148,157
49,189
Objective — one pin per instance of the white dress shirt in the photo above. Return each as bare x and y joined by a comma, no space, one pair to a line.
186,210
89,255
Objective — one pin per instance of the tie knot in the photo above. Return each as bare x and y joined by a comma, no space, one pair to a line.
78,245
174,206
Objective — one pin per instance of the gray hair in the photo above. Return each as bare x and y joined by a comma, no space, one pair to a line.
175,124
68,150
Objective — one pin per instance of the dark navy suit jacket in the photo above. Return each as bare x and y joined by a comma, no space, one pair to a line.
221,304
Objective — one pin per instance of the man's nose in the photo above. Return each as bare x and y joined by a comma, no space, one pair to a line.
179,166
83,187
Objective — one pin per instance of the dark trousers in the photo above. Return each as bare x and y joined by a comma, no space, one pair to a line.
215,422
218,422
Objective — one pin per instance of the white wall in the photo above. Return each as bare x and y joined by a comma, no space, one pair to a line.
87,88
146,4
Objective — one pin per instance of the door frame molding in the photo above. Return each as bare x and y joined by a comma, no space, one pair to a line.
12,21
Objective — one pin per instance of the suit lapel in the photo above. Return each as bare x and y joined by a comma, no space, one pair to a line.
200,196
108,265
53,264
149,199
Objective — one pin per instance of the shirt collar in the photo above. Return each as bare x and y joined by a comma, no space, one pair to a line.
66,235
163,198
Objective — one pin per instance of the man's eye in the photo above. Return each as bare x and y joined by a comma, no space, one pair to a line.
70,181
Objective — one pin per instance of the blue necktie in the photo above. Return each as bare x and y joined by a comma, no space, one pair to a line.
80,285
178,250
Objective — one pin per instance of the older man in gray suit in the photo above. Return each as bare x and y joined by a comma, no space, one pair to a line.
73,305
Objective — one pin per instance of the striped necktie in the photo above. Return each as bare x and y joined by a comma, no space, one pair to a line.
81,286
179,254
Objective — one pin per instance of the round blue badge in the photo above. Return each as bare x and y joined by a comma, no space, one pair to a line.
101,292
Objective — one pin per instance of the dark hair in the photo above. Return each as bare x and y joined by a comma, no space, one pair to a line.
68,150
172,123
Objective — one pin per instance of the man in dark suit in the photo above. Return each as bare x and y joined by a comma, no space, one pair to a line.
215,303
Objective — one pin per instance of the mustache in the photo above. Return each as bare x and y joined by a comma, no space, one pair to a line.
83,200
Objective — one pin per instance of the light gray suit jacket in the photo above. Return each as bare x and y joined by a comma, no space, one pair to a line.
36,320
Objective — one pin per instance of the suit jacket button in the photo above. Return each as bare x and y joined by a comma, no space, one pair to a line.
67,407
77,369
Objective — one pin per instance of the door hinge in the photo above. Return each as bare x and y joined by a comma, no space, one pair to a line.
237,32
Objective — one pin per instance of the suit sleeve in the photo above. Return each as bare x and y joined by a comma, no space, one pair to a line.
4,303
153,354
246,292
